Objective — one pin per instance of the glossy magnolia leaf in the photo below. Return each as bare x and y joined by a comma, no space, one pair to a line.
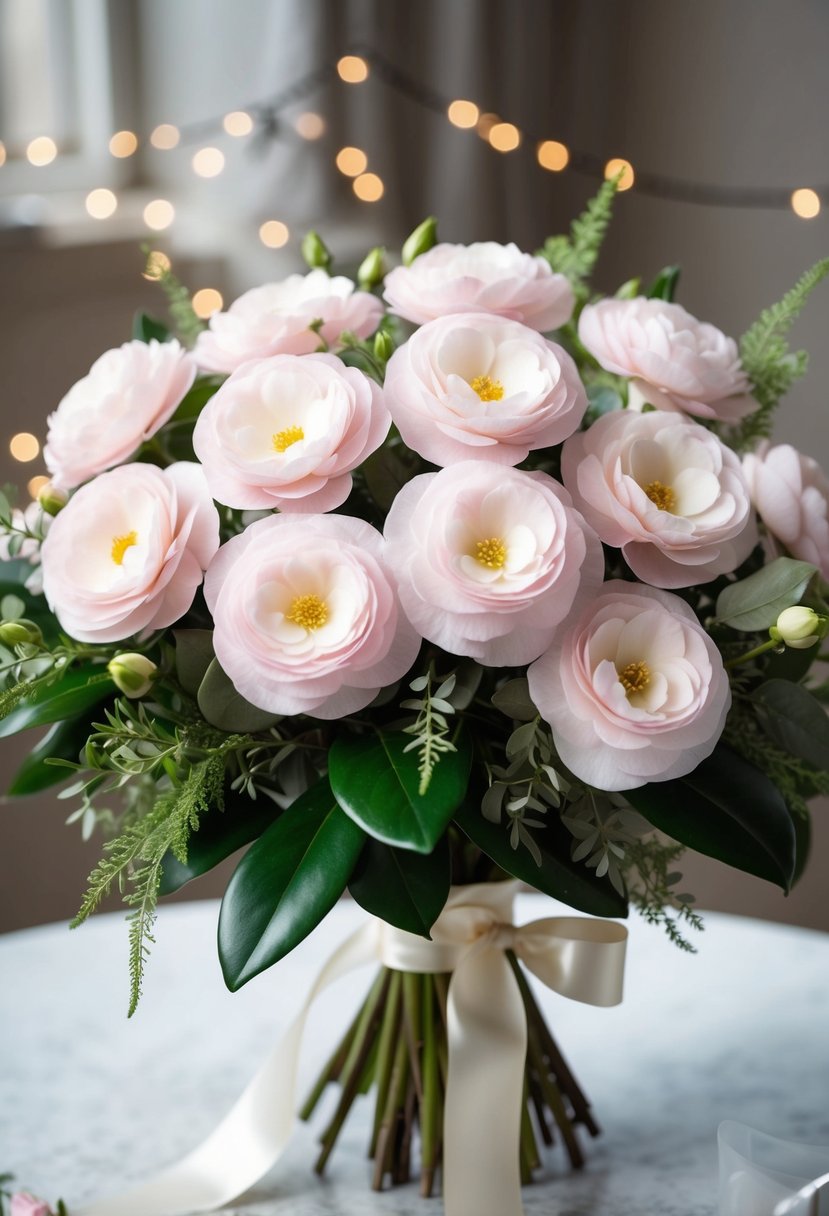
220,833
514,700
569,881
726,808
145,328
376,782
79,690
664,285
795,721
755,603
194,654
227,709
288,880
405,889
64,741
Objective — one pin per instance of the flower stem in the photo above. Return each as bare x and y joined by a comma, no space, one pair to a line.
752,654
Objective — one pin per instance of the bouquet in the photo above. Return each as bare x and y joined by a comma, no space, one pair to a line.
457,575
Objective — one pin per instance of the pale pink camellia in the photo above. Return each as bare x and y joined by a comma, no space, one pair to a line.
127,552
478,387
23,1203
287,431
490,560
276,319
483,277
306,615
791,494
665,491
675,361
126,396
634,689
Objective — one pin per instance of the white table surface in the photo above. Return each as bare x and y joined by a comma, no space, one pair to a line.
90,1102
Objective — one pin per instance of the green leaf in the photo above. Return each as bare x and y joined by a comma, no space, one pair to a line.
194,654
514,700
405,889
726,808
12,607
285,884
795,720
63,742
603,400
376,782
386,471
145,328
220,833
755,603
79,690
803,834
227,709
664,285
558,876
203,388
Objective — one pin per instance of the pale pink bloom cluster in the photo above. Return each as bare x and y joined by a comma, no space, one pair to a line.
276,319
791,494
287,431
128,551
127,395
483,277
675,362
635,689
490,560
665,491
306,615
23,1203
480,387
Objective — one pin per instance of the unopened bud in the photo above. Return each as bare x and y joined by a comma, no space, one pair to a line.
20,633
52,498
422,239
315,251
132,673
372,268
383,346
799,627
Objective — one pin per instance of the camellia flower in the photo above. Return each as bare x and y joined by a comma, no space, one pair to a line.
666,492
123,400
675,361
635,691
306,615
479,387
128,551
276,319
791,494
23,1203
484,277
490,560
287,431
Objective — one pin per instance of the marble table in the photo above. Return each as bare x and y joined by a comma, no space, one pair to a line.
90,1102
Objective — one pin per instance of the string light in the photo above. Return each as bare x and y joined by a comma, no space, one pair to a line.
274,234
101,204
41,151
2,153
552,155
24,447
165,136
310,125
157,263
352,69
238,123
463,113
208,162
618,165
504,136
352,161
806,203
368,187
123,143
36,484
207,301
159,214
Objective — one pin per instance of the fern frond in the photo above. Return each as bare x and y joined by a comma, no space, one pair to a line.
575,255
187,324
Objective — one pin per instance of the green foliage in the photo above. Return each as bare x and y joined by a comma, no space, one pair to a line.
753,604
225,828
575,255
431,726
403,888
796,780
146,328
664,285
603,834
187,324
648,869
529,784
65,741
225,708
794,720
62,692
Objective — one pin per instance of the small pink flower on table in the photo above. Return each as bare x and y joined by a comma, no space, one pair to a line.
635,691
478,387
665,491
490,560
128,551
287,431
675,362
483,277
791,494
22,1203
123,400
275,319
306,615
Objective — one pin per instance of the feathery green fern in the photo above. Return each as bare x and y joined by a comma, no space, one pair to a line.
575,255
186,322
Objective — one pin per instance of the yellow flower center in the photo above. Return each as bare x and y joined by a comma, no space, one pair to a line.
309,611
635,677
284,439
491,552
120,544
661,496
487,388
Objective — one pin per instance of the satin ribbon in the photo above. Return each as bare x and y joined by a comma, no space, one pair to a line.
580,958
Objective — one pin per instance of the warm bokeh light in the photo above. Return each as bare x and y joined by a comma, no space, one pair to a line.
310,125
41,151
504,136
238,123
619,165
101,204
806,203
352,69
463,113
165,136
368,187
553,155
207,301
36,484
274,234
208,162
2,153
352,161
24,447
157,263
159,214
485,124
123,143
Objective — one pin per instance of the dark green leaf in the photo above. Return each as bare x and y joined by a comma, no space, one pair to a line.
664,285
405,889
194,654
192,405
376,782
514,700
145,327
80,689
795,720
386,471
603,400
227,709
285,884
63,742
755,603
220,833
726,808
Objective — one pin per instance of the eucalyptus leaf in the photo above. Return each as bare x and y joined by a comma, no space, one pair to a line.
755,603
405,889
603,400
226,709
514,700
795,721
194,654
12,608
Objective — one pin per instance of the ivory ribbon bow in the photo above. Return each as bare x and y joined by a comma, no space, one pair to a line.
577,957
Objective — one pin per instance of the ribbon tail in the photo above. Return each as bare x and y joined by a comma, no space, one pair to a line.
254,1133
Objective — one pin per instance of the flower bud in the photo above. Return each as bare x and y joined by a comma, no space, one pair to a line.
422,239
383,346
52,498
20,633
132,673
315,251
799,627
372,268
